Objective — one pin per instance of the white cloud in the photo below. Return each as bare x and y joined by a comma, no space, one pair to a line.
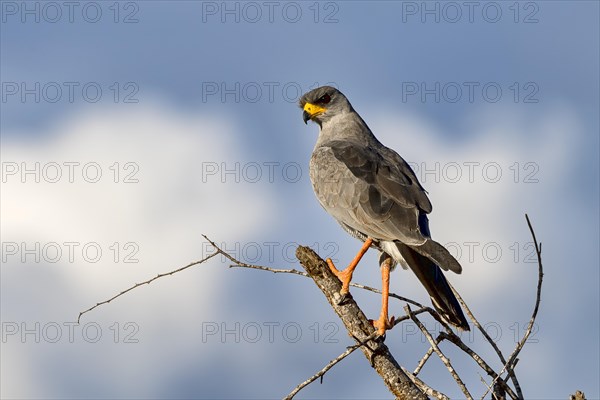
163,215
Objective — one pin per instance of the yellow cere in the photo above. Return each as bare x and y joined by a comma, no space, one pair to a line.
314,109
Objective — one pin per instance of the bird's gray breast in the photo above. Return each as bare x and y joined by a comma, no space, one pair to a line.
336,188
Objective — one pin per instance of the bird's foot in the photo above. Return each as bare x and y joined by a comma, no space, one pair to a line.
344,276
383,324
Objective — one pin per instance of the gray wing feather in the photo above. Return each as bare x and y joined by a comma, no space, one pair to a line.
391,175
377,194
364,191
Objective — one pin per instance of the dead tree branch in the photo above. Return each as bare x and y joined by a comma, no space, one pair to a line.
452,337
147,283
359,327
512,360
441,355
489,340
423,386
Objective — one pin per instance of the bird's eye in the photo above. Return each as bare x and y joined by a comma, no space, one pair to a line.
324,99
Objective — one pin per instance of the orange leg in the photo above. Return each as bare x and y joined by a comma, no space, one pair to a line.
384,323
346,275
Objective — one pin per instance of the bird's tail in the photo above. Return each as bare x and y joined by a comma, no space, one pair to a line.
431,276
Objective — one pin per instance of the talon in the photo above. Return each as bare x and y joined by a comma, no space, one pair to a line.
332,267
345,276
383,324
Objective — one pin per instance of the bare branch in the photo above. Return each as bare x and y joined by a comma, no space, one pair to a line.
489,387
322,372
578,395
452,337
428,354
407,300
508,365
441,355
239,264
423,386
147,283
467,310
274,270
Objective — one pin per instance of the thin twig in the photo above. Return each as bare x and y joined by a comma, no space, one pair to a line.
513,357
372,289
441,355
263,268
322,372
467,310
147,282
453,338
239,264
424,387
489,387
428,354
416,312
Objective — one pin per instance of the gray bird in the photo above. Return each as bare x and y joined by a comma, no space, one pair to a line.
376,197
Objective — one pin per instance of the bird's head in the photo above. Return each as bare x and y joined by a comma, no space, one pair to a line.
323,103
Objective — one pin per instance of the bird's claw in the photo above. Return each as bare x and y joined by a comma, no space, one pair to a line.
382,325
345,276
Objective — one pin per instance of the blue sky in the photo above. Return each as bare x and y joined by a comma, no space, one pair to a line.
187,109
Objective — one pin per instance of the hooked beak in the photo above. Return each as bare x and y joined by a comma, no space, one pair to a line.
311,110
305,117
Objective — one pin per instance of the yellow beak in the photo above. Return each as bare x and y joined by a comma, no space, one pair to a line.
311,110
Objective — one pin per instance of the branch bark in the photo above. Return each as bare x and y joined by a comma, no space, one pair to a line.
359,327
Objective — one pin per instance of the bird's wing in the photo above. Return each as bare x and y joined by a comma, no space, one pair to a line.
361,189
378,194
393,176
